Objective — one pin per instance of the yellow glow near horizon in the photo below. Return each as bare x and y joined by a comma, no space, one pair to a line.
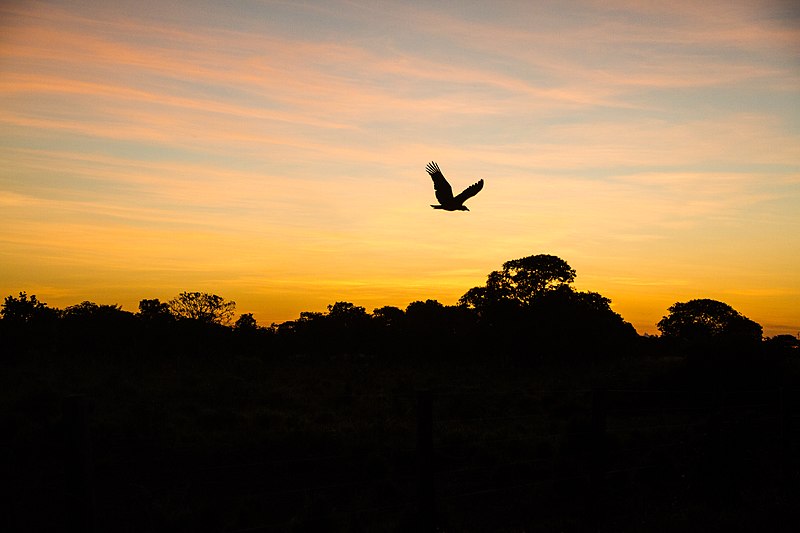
273,153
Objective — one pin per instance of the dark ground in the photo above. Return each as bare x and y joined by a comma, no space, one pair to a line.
201,435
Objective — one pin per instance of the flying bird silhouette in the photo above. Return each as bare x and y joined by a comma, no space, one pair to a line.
444,192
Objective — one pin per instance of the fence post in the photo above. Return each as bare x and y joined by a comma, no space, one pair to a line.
78,465
592,516
718,478
718,452
785,436
426,505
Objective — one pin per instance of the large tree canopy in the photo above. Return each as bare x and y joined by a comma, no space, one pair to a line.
531,303
204,307
706,319
521,281
530,277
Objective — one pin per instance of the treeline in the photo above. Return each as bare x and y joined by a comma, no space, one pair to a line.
527,310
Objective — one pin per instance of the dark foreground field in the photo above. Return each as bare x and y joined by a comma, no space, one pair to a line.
223,437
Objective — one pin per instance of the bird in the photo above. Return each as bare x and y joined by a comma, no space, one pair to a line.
444,192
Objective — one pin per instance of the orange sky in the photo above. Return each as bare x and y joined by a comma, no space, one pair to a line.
274,152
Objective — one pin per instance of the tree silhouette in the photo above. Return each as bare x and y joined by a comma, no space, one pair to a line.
705,319
246,322
154,310
580,318
532,276
27,324
388,316
346,314
496,292
529,306
202,307
87,309
24,309
521,281
91,327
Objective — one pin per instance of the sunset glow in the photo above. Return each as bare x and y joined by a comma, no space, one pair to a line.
274,152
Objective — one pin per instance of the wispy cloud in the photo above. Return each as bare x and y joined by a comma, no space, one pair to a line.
636,140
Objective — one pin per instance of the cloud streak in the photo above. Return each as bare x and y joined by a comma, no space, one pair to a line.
643,143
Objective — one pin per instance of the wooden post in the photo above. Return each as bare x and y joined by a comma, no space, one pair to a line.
78,466
785,454
426,505
720,479
593,502
718,449
785,418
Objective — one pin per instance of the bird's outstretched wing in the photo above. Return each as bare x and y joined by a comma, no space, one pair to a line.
444,192
469,192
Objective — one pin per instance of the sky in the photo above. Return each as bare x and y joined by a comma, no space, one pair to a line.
274,152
